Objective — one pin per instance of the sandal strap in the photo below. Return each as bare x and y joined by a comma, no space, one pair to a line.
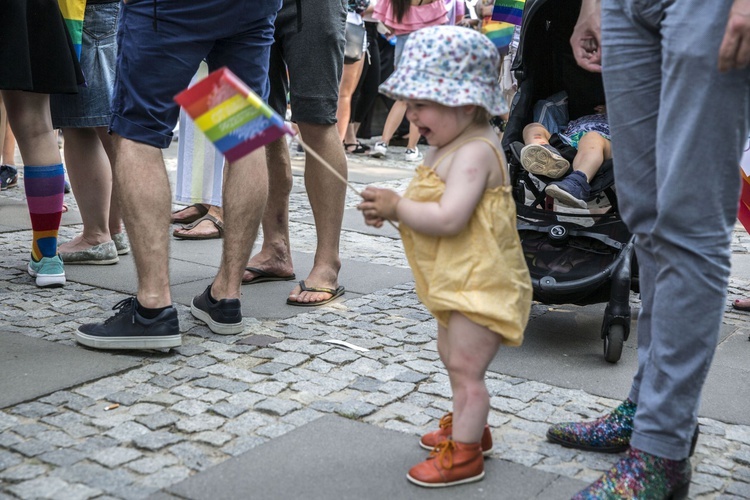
321,289
219,224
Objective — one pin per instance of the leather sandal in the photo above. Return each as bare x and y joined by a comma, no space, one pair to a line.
208,217
202,211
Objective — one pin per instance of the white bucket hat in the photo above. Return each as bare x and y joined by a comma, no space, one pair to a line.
450,65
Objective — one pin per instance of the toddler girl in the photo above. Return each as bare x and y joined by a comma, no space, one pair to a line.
458,226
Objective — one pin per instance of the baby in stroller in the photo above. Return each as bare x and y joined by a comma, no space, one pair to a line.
589,135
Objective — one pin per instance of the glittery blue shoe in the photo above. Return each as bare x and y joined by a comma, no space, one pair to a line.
641,476
608,434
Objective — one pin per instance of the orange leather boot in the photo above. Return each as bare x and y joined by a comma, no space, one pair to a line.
431,439
450,463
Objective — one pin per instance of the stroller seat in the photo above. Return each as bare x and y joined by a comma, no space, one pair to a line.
602,183
575,256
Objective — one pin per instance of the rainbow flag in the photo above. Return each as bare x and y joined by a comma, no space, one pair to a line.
73,12
508,11
231,115
500,34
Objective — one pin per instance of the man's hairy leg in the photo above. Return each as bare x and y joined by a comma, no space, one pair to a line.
275,255
142,186
244,197
327,195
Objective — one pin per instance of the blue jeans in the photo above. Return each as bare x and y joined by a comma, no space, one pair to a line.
678,129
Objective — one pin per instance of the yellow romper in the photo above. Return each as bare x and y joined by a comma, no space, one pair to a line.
481,271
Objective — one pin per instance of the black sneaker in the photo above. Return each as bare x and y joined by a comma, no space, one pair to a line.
223,317
129,330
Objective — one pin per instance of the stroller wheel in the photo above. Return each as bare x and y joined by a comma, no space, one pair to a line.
613,342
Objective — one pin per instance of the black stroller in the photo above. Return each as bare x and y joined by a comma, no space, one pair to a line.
575,256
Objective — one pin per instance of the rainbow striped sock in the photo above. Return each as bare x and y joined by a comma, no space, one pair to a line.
44,194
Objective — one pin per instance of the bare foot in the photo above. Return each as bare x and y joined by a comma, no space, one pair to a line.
279,266
741,304
77,244
319,278
189,214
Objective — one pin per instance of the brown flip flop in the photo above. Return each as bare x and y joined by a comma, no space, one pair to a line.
335,294
185,236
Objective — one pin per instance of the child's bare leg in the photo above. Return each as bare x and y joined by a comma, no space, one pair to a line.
593,149
467,349
535,133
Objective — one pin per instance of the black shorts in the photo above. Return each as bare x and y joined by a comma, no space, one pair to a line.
309,43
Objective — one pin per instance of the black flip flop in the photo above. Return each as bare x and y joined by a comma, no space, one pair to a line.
335,294
262,276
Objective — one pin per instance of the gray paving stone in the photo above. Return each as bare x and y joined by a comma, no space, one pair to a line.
158,420
62,457
156,440
23,472
191,408
115,456
271,368
34,410
277,406
28,430
199,423
214,438
228,410
32,447
194,456
231,386
149,465
38,488
166,477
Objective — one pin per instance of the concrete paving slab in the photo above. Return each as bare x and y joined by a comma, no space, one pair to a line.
362,172
15,216
268,300
122,276
567,351
31,368
334,457
741,265
194,264
353,221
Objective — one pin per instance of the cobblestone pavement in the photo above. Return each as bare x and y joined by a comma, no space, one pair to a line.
213,398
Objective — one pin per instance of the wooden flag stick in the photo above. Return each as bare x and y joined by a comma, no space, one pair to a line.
315,154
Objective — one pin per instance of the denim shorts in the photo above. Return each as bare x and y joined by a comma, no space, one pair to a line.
91,106
161,45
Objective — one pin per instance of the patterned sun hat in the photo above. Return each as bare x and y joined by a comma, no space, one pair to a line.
450,65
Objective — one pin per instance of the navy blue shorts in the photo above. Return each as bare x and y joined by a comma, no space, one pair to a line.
160,46
309,49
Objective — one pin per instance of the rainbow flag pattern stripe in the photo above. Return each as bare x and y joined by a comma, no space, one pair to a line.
231,115
508,11
743,214
500,34
73,12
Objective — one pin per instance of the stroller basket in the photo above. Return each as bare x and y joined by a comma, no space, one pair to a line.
570,263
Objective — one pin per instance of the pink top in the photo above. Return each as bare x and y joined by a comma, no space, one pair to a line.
417,17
